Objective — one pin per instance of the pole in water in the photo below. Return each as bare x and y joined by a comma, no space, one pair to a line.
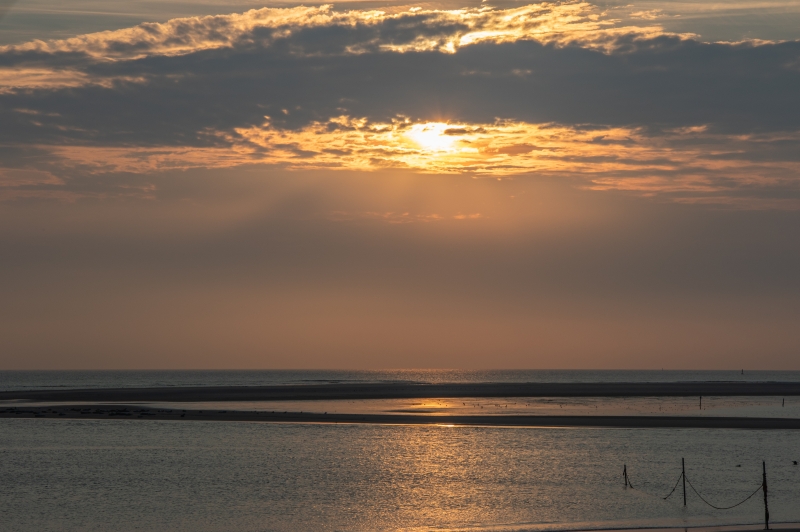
625,474
683,476
783,402
766,506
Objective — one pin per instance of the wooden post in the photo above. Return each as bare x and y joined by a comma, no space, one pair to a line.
683,476
766,506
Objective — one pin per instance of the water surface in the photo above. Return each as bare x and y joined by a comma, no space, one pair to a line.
204,476
25,380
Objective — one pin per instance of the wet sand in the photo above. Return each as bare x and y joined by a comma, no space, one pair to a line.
783,527
138,412
406,391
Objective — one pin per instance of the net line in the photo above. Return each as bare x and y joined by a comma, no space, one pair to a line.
674,488
630,485
721,507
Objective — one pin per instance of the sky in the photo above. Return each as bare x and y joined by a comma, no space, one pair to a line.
225,184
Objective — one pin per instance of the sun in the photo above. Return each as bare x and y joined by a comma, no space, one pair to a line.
432,136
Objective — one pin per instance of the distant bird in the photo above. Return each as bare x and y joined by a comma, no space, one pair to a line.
738,465
794,462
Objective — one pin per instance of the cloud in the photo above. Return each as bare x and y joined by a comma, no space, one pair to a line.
543,89
687,164
350,32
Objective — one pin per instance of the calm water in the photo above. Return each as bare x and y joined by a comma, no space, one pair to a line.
127,475
204,476
17,380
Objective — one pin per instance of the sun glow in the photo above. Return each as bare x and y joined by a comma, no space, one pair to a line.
621,158
434,136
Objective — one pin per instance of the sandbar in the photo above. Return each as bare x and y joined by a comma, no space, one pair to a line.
310,392
136,412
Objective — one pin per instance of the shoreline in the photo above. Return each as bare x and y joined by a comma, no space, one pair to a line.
134,412
353,391
784,527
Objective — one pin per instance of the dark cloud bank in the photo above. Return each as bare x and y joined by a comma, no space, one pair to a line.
660,82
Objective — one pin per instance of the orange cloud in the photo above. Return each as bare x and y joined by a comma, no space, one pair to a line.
545,99
560,24
681,161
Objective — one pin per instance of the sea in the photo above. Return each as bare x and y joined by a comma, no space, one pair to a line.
20,380
150,475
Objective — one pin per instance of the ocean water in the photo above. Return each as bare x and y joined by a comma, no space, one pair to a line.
229,476
217,476
21,380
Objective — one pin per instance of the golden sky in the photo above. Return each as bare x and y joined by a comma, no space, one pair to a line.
399,185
